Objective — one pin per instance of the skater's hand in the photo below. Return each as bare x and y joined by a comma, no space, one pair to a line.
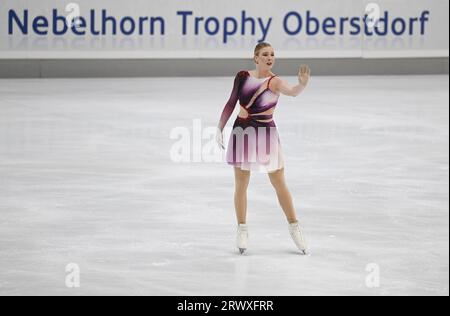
304,74
219,138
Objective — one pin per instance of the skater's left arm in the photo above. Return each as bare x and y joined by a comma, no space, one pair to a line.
303,78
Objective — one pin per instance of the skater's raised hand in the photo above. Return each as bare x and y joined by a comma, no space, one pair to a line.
304,74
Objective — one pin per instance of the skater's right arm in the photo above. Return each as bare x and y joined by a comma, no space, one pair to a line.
231,103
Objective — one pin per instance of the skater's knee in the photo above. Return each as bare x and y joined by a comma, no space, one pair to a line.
278,182
242,180
241,186
280,186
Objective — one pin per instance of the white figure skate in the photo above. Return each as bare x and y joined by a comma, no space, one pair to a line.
297,236
242,237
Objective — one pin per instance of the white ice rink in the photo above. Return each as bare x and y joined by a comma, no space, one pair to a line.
86,177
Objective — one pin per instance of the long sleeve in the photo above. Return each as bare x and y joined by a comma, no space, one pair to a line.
231,104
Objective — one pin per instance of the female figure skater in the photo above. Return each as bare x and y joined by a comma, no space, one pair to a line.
254,142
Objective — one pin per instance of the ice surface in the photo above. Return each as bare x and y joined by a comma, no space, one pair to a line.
86,177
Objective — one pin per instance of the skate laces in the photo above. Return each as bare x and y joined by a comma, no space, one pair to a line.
295,228
242,229
242,232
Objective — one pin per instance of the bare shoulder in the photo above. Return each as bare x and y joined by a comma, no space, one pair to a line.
277,81
281,86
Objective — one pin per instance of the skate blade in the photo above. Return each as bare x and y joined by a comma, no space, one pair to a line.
242,250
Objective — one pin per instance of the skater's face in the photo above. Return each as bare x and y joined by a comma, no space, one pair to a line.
266,58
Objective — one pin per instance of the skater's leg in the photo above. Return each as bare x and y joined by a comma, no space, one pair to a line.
284,196
242,179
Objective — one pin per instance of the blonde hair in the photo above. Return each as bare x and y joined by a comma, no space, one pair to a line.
258,49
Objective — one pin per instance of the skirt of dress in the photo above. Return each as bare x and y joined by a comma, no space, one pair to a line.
255,146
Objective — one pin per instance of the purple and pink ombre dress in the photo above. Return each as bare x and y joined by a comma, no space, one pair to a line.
254,142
